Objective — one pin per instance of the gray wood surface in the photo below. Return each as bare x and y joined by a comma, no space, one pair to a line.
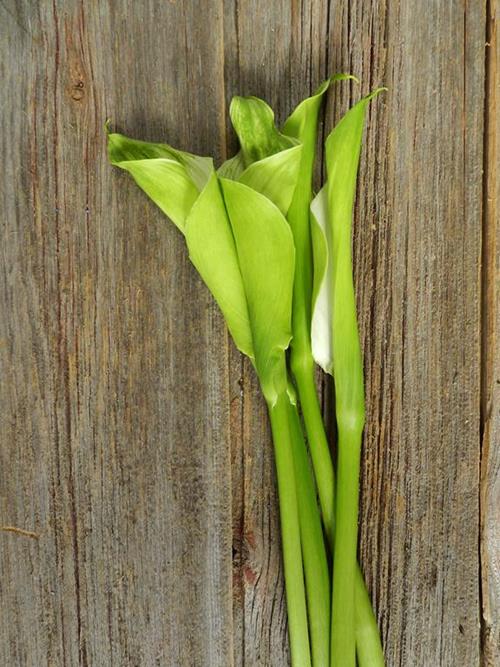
490,391
137,491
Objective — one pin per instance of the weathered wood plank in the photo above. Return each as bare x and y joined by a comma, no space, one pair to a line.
490,407
115,422
417,256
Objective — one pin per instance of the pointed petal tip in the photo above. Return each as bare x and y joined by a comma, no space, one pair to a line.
344,76
361,104
380,89
115,145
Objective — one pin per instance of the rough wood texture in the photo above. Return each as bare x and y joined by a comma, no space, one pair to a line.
136,470
490,406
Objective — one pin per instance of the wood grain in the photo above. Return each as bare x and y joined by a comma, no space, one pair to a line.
136,464
115,405
417,266
490,406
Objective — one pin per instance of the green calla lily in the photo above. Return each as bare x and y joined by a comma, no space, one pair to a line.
342,151
302,125
254,124
172,179
268,161
187,190
212,250
266,256
237,238
340,351
245,259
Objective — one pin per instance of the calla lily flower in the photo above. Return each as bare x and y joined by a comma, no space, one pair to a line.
337,349
242,246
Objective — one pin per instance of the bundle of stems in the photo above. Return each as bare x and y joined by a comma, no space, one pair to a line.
278,262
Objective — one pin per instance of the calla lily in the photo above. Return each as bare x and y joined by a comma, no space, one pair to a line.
302,125
368,643
337,348
254,124
268,161
242,246
212,250
173,179
260,139
266,255
187,190
341,194
238,239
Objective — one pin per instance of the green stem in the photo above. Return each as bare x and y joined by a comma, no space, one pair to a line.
368,644
290,533
343,647
303,373
314,553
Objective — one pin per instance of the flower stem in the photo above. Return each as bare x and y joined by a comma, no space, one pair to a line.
303,373
369,650
290,533
368,644
343,647
314,553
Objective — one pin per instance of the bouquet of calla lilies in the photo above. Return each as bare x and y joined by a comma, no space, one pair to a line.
278,261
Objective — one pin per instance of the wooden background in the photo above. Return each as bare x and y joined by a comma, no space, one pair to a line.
135,449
